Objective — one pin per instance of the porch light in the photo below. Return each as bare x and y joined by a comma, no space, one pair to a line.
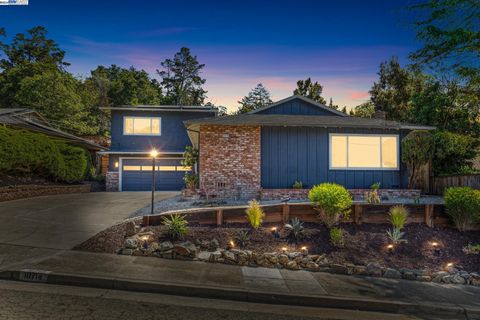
116,164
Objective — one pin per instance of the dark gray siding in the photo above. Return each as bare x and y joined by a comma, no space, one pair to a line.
295,153
297,107
173,136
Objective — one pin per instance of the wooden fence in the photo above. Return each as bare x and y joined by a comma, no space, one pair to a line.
439,184
430,214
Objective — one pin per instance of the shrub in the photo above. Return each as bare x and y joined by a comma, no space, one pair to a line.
254,214
398,216
295,229
396,236
372,196
472,249
75,163
177,226
417,150
297,185
242,238
453,152
336,237
463,206
191,180
190,159
332,201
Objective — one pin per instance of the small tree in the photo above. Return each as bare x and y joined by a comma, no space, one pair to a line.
417,150
190,159
332,201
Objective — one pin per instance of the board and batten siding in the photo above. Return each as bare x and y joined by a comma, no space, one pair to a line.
297,107
290,154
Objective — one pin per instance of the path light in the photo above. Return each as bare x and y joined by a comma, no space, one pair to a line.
304,250
450,264
275,232
434,244
390,247
145,242
153,154
231,244
284,249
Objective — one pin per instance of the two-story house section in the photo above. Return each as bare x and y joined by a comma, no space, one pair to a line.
135,132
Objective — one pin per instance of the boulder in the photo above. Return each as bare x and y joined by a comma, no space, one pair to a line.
165,246
424,278
474,279
204,255
392,273
409,275
311,266
130,243
130,229
229,257
454,279
126,252
185,249
283,259
438,276
373,269
292,265
215,256
213,245
339,268
359,270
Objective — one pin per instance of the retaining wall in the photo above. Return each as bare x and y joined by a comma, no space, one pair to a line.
29,191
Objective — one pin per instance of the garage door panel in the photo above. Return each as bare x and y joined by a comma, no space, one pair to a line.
137,174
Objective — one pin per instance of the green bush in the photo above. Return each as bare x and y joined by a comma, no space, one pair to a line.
398,216
332,201
191,180
336,237
297,185
463,206
417,151
34,154
177,226
254,214
453,153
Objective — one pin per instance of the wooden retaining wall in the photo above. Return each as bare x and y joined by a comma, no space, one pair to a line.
439,184
430,214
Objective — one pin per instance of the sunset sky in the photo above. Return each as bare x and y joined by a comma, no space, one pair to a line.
338,43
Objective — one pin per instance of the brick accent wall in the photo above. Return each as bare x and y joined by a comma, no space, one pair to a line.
357,194
230,161
111,181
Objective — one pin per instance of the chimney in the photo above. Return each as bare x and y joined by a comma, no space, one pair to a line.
378,114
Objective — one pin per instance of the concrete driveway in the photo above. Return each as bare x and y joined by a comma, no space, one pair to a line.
63,221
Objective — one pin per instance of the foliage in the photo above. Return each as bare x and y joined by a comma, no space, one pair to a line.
398,216
297,185
333,106
472,249
177,226
257,98
310,90
242,238
333,202
337,237
191,180
453,152
34,154
364,110
295,229
181,79
254,214
417,150
190,159
372,197
463,206
396,236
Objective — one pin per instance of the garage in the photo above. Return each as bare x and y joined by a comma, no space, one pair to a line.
136,174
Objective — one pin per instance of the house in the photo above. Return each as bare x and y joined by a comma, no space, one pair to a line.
296,139
31,120
135,131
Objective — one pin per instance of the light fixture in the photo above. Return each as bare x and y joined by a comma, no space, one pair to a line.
116,164
434,244
153,153
450,264
284,249
275,232
304,250
390,247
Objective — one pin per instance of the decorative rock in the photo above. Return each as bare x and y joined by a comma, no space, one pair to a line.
409,275
130,229
424,278
204,256
293,255
229,257
292,265
360,270
392,273
350,268
271,258
438,276
455,279
127,252
339,268
311,266
283,259
374,269
215,256
185,249
165,246
213,245
130,243
137,253
474,279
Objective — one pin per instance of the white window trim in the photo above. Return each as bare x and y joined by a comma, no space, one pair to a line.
396,136
142,134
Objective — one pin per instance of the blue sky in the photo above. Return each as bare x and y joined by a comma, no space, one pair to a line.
338,43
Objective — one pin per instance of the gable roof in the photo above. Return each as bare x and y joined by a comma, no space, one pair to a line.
281,120
305,99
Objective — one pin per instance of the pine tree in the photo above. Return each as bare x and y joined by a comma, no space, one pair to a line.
310,90
257,98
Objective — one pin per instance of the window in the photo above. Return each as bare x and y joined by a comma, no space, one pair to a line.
141,126
354,151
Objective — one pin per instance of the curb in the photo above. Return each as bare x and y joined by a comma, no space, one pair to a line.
242,295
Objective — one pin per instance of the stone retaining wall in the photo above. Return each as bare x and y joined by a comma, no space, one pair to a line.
112,180
302,194
29,191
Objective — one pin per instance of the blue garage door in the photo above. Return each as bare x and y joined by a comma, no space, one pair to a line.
137,174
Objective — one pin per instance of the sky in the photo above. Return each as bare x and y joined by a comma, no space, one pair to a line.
338,43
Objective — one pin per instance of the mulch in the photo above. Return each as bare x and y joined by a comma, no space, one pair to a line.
363,244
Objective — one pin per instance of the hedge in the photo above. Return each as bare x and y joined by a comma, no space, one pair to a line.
34,154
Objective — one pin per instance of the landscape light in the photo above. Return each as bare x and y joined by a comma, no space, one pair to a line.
232,244
304,250
450,264
434,244
284,249
275,232
390,247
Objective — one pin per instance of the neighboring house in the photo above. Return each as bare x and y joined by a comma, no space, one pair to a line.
296,139
31,120
135,131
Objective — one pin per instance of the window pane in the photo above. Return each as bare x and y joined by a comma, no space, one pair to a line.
389,152
182,168
363,152
167,168
156,126
142,125
131,168
339,152
129,125
146,168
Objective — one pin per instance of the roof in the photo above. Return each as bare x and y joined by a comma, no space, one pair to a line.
163,108
32,120
302,121
307,100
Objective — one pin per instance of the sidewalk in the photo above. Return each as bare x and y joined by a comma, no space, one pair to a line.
259,285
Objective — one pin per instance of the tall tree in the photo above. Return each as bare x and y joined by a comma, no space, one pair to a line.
331,105
394,89
450,33
257,98
364,110
310,90
181,79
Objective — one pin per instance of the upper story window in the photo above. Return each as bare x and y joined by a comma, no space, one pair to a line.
146,126
355,151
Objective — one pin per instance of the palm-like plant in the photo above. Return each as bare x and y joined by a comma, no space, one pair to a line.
396,236
177,226
295,229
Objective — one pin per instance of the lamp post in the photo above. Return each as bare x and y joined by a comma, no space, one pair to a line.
153,154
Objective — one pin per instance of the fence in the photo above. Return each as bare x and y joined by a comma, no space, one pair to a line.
439,184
